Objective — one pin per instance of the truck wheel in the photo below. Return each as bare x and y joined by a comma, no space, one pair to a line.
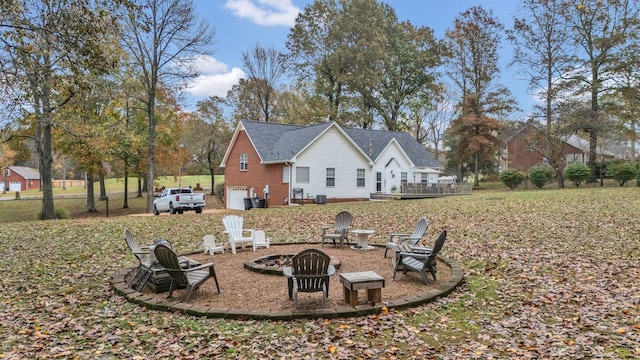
198,210
171,209
155,210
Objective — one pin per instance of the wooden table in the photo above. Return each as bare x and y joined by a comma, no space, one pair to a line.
362,239
355,281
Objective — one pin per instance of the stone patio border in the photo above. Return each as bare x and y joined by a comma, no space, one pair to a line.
119,284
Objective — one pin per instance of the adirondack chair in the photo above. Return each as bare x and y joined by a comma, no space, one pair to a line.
309,272
420,262
144,261
211,246
259,239
233,226
190,278
396,239
339,230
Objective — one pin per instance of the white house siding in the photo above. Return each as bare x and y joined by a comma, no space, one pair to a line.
391,163
333,150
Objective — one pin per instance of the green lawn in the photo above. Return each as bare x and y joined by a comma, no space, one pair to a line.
550,274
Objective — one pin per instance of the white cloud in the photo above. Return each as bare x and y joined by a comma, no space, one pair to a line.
216,79
265,12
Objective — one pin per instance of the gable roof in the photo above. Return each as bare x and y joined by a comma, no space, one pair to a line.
26,172
373,142
276,143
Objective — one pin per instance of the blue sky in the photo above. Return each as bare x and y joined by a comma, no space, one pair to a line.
241,24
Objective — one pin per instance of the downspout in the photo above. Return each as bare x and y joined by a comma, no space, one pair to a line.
290,179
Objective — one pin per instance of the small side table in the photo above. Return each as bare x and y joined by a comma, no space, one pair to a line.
362,239
355,281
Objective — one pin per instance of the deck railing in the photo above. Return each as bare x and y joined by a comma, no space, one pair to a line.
436,189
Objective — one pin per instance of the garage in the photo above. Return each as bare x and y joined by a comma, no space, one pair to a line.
15,186
236,196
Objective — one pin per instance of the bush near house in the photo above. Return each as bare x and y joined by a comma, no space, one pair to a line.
577,173
512,178
621,171
540,175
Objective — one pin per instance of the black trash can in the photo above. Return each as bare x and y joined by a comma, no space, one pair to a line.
262,203
247,203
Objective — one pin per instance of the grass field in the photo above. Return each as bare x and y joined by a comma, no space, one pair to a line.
73,201
550,274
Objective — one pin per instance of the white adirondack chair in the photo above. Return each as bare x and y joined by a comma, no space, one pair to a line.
233,226
259,240
211,246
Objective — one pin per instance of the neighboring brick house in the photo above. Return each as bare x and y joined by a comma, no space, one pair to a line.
20,178
322,162
526,146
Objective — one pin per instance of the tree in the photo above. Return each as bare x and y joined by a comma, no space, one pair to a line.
472,60
243,100
600,28
541,40
408,68
212,135
162,37
339,45
47,49
265,68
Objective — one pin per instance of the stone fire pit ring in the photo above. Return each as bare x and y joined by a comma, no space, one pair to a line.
274,263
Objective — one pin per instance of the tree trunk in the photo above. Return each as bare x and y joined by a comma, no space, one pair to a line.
125,201
139,186
91,203
103,189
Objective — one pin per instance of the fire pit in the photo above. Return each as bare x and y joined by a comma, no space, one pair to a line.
273,264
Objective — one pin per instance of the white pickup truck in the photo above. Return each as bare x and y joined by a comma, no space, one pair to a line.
177,200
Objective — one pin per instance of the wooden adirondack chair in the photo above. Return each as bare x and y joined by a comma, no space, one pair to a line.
190,278
309,272
233,228
339,230
411,239
420,262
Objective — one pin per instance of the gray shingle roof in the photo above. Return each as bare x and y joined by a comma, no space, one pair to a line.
26,172
281,142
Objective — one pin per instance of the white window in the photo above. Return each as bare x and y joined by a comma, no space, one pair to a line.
331,177
360,177
302,174
285,174
244,162
424,178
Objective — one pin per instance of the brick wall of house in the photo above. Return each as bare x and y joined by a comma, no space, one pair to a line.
522,157
257,175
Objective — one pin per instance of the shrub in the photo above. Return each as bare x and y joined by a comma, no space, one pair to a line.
621,171
638,179
540,175
577,173
218,191
512,178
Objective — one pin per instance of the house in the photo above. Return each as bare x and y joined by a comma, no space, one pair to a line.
527,144
288,164
20,178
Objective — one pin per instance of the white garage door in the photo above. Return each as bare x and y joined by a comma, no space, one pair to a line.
15,186
236,196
